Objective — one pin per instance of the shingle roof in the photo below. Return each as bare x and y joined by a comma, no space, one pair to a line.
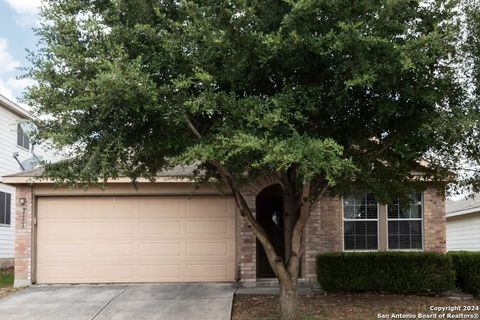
179,171
463,206
13,107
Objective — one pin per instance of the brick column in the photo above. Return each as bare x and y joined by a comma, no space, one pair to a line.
434,221
247,247
23,236
311,243
331,235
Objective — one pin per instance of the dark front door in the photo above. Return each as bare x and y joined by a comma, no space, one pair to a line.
269,213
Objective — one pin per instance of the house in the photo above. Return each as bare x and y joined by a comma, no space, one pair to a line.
16,154
463,224
13,141
170,231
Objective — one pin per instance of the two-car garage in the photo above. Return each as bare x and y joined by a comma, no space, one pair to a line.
134,238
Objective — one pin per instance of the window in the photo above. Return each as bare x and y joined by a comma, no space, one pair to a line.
360,222
22,139
405,224
5,207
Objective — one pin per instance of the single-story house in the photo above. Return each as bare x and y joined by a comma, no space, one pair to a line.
463,224
170,231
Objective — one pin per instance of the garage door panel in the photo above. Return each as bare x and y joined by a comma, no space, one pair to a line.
135,239
106,228
167,208
160,249
64,250
209,227
159,227
63,230
63,209
116,207
209,249
152,272
113,249
212,272
65,273
112,273
205,207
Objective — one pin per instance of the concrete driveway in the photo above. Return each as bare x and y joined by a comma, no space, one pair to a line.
120,302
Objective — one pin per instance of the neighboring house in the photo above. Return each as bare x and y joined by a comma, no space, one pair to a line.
14,141
463,224
169,231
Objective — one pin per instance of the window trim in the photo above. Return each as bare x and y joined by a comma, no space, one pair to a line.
5,225
408,219
19,126
343,229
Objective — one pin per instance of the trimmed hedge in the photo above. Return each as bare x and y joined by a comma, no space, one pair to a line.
389,272
467,267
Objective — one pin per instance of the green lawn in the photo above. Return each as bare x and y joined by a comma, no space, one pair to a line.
6,278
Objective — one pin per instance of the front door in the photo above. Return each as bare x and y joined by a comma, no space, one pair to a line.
269,214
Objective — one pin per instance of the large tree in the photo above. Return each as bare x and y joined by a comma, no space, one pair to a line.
323,96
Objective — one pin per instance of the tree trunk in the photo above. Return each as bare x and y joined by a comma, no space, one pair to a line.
290,217
288,301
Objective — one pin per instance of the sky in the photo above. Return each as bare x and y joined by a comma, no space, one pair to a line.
17,18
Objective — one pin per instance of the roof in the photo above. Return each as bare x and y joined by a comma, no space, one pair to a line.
175,174
13,107
464,206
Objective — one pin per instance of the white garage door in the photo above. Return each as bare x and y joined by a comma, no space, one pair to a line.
135,239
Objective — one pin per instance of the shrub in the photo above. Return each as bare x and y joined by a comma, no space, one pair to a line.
467,268
389,272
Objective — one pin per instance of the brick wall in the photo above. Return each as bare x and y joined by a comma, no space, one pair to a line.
434,221
23,238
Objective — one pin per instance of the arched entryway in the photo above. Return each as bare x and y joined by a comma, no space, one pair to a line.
270,215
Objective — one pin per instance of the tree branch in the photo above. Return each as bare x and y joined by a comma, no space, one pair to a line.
274,259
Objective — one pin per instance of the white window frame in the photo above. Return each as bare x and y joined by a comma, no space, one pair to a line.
343,228
407,219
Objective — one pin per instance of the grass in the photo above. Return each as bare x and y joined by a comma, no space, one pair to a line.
6,278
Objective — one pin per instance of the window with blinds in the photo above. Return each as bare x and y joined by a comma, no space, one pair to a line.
5,208
405,223
360,222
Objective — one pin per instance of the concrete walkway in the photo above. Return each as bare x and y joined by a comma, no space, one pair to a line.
120,302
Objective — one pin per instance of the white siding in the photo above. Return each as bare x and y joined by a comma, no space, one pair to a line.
463,232
7,232
8,165
8,143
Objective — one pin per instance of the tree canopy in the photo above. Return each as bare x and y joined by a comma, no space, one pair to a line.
329,88
321,95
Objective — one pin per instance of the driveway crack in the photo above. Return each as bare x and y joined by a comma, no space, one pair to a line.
110,302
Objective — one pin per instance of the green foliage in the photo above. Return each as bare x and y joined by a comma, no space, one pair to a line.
467,268
324,89
6,278
389,272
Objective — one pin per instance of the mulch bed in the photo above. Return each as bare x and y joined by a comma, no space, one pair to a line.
344,306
